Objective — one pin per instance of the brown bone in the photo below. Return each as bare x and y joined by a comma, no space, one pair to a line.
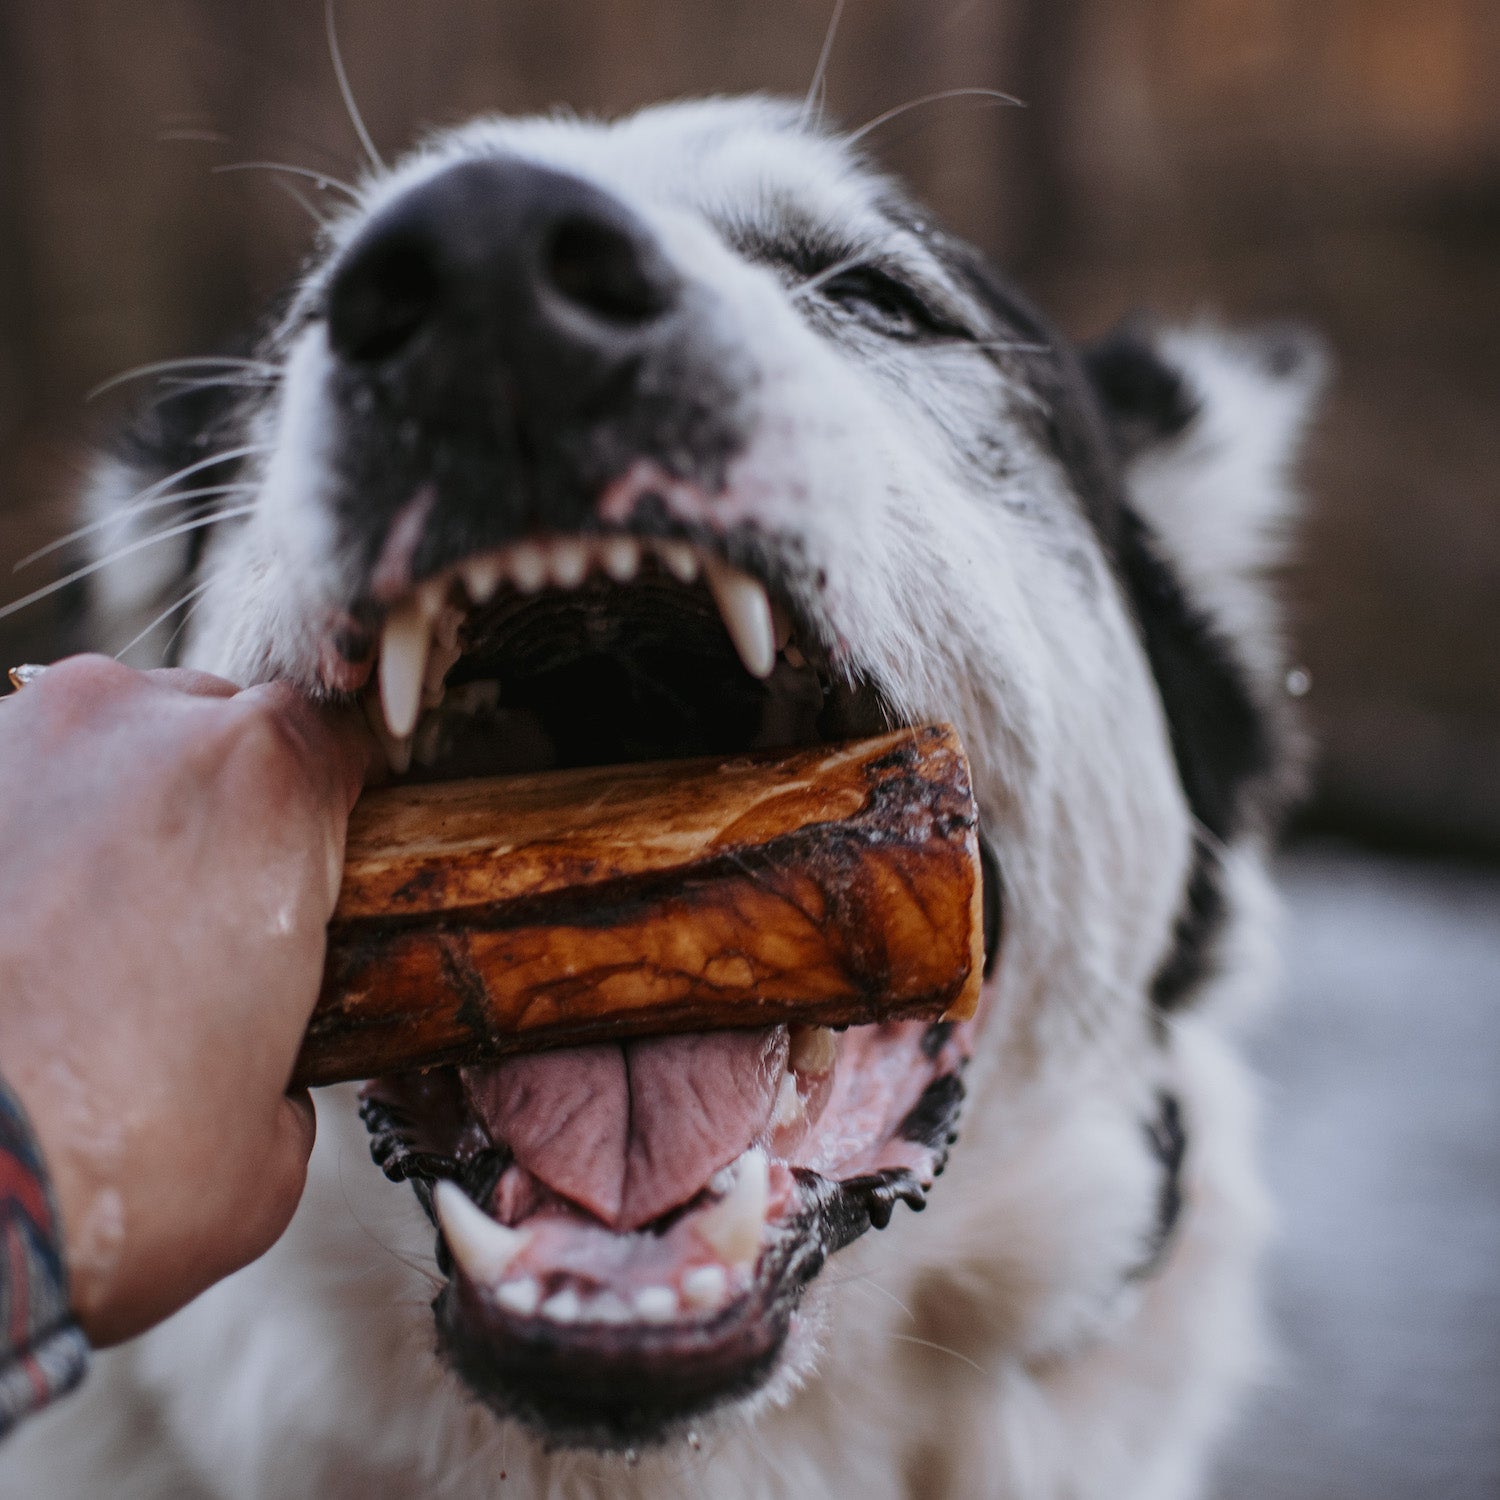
830,886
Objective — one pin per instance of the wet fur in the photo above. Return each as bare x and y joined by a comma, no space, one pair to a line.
1067,559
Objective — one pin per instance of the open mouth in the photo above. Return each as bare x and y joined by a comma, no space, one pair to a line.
628,1228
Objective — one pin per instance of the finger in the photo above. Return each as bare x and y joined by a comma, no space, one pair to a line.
336,741
198,684
281,1175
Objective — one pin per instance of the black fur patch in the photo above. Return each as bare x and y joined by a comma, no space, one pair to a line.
1221,737
177,428
1100,410
1147,399
1193,955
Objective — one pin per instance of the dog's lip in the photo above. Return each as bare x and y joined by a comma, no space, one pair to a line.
614,1386
635,1378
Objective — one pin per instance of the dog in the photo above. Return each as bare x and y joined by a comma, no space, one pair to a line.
591,442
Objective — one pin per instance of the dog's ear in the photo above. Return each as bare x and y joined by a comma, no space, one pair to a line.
1209,424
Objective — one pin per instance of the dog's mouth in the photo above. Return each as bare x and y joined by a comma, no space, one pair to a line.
627,1229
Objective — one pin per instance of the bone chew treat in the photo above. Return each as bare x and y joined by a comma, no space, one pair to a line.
829,886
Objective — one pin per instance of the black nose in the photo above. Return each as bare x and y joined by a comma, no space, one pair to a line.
533,270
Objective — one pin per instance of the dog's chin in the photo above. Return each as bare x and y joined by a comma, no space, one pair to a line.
627,1229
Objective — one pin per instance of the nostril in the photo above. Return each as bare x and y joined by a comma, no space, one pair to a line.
382,298
606,271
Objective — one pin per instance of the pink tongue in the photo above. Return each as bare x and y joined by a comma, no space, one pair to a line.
629,1130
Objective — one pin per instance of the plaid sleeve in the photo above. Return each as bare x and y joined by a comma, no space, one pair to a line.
43,1353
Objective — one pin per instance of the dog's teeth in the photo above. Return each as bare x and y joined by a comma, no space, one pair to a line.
528,567
656,1304
563,1306
442,654
746,610
397,752
428,744
789,1108
433,596
482,1247
680,558
522,1295
403,664
813,1050
622,558
482,577
734,1225
568,563
606,1308
704,1287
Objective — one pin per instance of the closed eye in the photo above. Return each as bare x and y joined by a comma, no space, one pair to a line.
886,305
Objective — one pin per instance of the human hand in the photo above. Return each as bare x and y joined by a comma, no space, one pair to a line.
170,853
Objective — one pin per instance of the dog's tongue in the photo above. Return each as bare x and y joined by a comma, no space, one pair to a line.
629,1130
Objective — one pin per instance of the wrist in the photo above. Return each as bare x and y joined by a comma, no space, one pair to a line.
43,1352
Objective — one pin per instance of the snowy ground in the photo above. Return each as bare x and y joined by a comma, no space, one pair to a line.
1383,1126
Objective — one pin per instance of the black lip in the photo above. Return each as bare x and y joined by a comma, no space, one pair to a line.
611,1388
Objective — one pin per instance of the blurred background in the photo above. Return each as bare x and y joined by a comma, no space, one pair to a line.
1336,162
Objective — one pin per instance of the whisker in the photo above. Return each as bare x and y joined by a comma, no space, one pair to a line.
342,75
827,274
302,201
911,1338
224,382
192,362
892,114
135,508
322,179
1008,345
820,73
38,595
182,625
162,618
142,499
207,137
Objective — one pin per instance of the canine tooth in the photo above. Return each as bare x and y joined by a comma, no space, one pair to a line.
397,752
482,1247
746,610
427,745
568,562
656,1304
788,1109
704,1287
622,558
433,596
733,1226
680,558
521,1295
482,577
528,567
403,664
812,1050
563,1306
441,655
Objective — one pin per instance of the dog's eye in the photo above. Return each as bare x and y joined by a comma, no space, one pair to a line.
882,303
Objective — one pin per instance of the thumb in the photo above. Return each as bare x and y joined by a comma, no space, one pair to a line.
282,1175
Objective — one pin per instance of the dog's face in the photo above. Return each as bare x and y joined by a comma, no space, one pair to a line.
685,435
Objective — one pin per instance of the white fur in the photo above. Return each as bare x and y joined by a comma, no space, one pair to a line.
992,1349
